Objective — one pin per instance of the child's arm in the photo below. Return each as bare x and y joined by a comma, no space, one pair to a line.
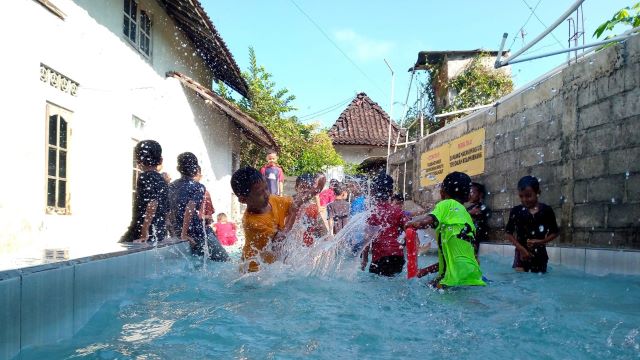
365,257
539,242
149,214
523,250
188,214
422,222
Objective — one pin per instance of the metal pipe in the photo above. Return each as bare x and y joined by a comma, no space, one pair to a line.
542,35
407,143
597,43
406,100
463,111
393,76
499,58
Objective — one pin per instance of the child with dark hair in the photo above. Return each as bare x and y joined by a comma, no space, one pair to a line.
479,213
310,212
338,210
265,219
457,264
531,226
151,204
186,197
385,225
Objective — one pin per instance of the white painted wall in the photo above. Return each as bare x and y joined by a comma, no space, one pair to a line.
116,82
356,154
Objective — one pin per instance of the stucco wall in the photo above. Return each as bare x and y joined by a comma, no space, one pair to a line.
116,83
579,132
356,154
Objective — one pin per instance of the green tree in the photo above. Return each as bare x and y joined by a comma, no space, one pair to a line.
303,148
629,16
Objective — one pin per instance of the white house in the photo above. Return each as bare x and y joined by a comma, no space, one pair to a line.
83,81
361,133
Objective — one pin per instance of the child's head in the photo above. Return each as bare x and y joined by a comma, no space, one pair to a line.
456,186
339,191
222,217
272,157
397,199
333,183
477,192
382,187
148,153
188,165
529,190
198,175
251,188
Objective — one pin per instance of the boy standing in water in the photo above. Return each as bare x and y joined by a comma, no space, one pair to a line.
457,264
479,213
385,225
151,204
273,174
534,225
265,219
338,210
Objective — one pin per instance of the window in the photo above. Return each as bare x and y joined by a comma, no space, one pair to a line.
136,27
57,154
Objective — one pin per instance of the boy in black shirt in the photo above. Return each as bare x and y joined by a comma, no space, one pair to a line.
534,225
479,213
151,204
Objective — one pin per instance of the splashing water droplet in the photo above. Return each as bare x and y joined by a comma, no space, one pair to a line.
626,175
491,112
553,90
502,190
541,228
613,200
590,61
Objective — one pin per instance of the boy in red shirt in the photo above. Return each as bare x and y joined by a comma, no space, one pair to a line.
385,225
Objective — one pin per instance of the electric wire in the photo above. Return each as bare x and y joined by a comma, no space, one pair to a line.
336,46
325,110
533,11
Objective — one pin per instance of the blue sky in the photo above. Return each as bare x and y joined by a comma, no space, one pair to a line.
303,60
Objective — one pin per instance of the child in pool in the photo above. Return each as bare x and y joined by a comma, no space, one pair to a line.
385,224
531,226
265,220
457,264
479,213
338,210
310,212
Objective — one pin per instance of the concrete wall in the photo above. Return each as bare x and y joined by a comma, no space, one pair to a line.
116,83
578,131
356,154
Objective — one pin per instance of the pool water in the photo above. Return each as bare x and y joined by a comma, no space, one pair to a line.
196,311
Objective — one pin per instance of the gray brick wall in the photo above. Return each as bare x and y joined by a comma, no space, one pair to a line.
579,132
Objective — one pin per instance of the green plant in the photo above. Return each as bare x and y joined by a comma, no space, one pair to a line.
478,85
629,16
303,148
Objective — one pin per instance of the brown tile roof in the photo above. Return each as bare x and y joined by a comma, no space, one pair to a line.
191,18
363,122
252,129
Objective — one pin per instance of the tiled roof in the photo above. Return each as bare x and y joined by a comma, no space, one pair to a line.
191,18
363,122
252,129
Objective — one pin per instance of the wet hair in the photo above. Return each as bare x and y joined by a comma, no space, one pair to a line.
481,189
382,187
529,181
188,164
306,179
243,179
398,197
149,153
221,215
334,183
457,185
339,189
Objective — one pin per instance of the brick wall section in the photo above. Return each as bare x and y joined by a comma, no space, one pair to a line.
579,132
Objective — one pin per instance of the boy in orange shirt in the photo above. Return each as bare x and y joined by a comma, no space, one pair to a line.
265,219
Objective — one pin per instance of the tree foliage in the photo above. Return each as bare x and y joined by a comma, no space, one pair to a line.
478,85
303,147
629,16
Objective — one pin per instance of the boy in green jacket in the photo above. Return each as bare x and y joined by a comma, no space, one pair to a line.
457,264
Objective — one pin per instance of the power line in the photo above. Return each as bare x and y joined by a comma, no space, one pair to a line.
325,110
533,11
525,23
336,46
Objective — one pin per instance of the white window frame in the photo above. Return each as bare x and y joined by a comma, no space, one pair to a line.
142,36
57,178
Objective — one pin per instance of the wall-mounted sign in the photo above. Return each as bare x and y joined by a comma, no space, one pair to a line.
58,81
464,154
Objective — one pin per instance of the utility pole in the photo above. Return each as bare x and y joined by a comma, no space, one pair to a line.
393,78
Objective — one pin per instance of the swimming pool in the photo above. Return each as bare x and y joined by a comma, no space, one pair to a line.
191,311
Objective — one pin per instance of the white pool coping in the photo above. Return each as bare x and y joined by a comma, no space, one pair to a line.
43,304
592,261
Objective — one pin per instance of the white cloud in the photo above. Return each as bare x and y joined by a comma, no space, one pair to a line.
361,47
